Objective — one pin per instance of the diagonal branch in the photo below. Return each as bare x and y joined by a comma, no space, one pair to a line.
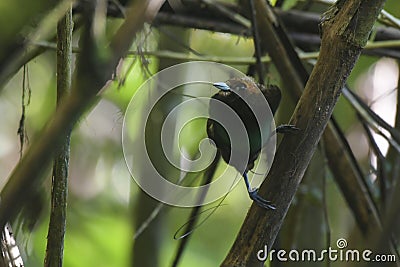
348,176
93,71
346,27
194,215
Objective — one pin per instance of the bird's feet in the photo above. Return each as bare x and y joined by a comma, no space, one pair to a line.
253,193
286,128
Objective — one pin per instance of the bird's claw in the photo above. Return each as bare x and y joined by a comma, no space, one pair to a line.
253,193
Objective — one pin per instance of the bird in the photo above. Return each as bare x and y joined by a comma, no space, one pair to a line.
228,94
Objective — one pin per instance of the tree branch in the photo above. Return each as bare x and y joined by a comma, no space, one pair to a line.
348,176
346,28
58,213
93,71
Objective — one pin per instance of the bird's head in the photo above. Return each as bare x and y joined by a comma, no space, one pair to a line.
237,84
246,84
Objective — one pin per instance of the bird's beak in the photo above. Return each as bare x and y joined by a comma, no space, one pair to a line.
222,86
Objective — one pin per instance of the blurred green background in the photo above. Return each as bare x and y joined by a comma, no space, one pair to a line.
103,199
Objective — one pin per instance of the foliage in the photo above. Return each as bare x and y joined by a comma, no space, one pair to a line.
100,225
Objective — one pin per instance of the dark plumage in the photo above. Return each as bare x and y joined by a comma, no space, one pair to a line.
219,135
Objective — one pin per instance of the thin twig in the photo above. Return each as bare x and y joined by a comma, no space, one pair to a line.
228,13
257,45
91,76
373,119
26,88
43,30
389,19
380,159
59,190
223,59
194,215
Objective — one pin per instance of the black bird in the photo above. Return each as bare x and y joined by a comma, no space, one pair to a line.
216,132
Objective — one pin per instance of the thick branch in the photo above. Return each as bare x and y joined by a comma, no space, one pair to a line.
348,176
345,31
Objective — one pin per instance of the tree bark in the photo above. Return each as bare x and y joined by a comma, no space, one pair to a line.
58,214
345,30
